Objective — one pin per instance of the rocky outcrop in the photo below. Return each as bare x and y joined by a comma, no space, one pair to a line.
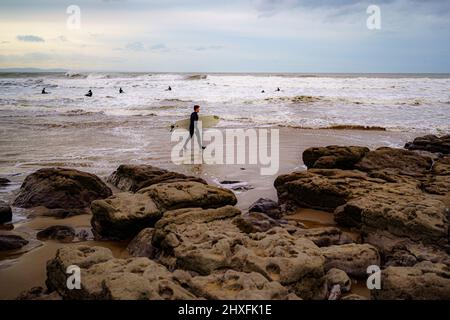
206,241
233,285
11,242
333,157
388,196
123,215
106,277
135,177
60,188
5,212
431,143
188,194
424,281
59,233
141,245
403,252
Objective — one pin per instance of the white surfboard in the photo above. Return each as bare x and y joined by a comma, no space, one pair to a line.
207,122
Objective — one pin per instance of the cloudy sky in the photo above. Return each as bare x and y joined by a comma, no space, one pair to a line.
227,36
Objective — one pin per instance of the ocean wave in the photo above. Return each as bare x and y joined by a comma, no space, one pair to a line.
196,77
81,112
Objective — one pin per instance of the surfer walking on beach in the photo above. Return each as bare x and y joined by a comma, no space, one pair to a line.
193,128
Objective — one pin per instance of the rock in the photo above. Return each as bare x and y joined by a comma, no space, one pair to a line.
60,213
431,143
59,233
338,277
400,161
439,180
141,245
296,263
198,240
266,206
106,277
325,236
135,177
234,285
256,222
60,188
123,215
38,293
188,194
4,181
11,242
424,281
359,200
205,241
322,189
5,212
404,252
404,213
351,258
333,157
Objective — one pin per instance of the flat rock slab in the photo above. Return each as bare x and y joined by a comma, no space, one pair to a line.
135,177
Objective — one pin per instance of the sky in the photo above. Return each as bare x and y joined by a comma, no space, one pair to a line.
226,36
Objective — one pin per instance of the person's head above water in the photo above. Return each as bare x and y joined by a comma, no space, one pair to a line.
196,108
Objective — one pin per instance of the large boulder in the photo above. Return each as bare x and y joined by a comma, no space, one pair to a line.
123,215
60,188
106,277
425,281
333,157
135,177
266,206
5,212
188,194
431,143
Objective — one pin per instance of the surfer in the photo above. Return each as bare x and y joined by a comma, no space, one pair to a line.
44,92
193,128
263,91
169,88
278,90
89,94
120,90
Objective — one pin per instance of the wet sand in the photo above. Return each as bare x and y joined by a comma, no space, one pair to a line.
21,271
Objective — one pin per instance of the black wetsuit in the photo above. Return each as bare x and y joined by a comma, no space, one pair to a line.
194,117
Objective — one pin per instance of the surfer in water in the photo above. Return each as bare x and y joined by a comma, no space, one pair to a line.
120,90
89,94
44,92
278,90
193,128
169,88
